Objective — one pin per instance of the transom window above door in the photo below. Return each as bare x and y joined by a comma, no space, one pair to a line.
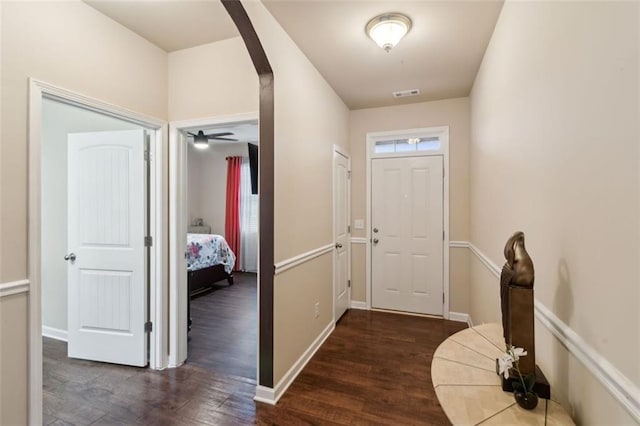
410,144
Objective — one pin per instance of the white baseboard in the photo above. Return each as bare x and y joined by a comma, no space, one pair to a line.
271,396
355,304
265,395
469,322
620,386
55,333
459,317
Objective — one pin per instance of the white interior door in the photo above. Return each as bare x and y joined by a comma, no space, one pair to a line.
107,218
407,234
341,233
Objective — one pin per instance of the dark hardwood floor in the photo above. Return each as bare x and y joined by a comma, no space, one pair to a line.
224,335
373,369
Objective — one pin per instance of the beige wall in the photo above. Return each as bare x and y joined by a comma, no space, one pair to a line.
212,79
71,45
310,118
13,360
554,153
207,185
451,112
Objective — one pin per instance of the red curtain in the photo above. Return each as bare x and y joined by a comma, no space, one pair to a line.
232,221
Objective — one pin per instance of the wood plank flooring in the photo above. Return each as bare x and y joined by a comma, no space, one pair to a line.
373,369
224,335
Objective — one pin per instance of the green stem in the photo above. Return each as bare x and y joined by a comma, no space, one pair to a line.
524,386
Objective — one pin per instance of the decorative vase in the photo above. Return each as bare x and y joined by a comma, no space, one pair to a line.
528,400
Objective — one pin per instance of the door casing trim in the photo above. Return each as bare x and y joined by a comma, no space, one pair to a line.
443,133
38,90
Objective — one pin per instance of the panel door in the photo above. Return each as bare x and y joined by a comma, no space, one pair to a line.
342,236
107,280
407,234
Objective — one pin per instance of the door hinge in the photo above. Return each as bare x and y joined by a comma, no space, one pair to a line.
148,327
148,241
442,235
348,283
349,174
348,229
443,173
443,298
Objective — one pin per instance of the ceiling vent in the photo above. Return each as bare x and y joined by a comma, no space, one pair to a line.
405,93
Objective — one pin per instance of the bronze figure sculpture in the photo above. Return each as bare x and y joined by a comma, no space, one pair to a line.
517,305
518,272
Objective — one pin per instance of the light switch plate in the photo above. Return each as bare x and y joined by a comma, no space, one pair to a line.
358,224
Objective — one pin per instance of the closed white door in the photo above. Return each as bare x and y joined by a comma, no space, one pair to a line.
106,260
407,234
341,232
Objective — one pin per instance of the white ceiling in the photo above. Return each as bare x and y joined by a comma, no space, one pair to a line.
171,24
440,55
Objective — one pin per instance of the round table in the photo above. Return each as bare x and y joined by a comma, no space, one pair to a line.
470,391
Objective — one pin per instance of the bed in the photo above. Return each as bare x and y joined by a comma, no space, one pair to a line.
209,260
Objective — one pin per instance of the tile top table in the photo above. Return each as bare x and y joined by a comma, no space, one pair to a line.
470,391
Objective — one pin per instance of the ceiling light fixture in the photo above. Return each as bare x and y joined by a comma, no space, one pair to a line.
388,29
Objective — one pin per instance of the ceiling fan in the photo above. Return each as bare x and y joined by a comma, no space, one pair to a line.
201,141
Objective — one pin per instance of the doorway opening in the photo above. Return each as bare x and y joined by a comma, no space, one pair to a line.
216,202
408,215
95,213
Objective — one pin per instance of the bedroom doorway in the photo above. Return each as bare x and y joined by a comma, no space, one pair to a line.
215,206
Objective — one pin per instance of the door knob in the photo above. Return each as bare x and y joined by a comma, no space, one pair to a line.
375,230
71,257
338,245
375,241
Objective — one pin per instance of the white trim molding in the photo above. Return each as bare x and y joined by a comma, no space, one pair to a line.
355,304
271,396
359,240
620,386
459,317
55,333
265,395
492,267
458,244
294,261
14,287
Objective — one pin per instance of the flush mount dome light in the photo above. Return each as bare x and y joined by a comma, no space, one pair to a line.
388,29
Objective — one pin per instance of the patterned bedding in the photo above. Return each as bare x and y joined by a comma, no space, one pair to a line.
205,250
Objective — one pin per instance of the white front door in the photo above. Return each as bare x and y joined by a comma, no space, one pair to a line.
407,234
341,232
106,260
